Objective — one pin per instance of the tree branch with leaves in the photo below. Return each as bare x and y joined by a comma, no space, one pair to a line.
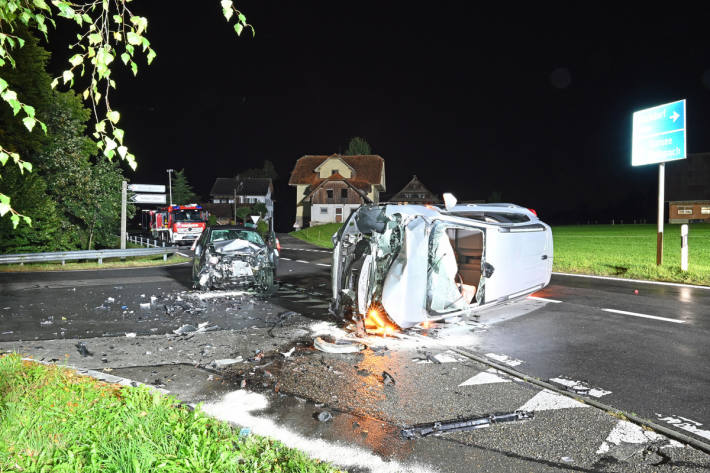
110,30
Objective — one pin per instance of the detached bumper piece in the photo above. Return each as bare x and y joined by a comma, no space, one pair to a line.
458,425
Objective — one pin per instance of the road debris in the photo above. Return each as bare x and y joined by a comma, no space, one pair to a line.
339,346
387,379
289,353
83,351
325,416
131,334
458,425
219,364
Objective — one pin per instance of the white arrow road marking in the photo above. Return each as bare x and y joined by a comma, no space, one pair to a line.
505,359
645,316
571,383
490,376
547,400
686,424
627,432
675,116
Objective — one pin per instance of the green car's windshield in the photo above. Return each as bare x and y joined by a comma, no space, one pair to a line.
235,234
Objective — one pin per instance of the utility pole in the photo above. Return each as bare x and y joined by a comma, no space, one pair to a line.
170,185
124,194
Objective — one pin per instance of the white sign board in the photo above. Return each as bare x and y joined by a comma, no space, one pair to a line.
659,134
146,188
148,198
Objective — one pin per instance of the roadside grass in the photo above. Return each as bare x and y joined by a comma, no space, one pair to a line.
319,235
52,419
108,263
629,251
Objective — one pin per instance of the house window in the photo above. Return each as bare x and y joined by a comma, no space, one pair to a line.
324,210
705,210
344,193
329,193
334,171
685,210
339,211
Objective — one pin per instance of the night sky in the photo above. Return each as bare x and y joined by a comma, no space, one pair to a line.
535,105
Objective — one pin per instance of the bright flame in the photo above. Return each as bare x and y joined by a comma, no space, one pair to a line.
377,324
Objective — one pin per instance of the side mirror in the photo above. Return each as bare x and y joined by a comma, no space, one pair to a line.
198,250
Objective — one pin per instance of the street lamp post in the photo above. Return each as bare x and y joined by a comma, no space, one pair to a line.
170,185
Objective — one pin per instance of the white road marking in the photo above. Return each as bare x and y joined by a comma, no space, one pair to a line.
571,383
323,264
505,359
641,281
490,376
686,424
241,407
545,299
286,259
183,254
301,261
628,432
645,316
547,400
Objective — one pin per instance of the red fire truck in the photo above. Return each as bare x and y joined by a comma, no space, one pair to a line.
175,224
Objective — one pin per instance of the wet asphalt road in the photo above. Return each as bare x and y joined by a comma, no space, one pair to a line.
649,365
657,368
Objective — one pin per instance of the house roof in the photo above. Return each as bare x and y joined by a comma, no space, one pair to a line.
412,190
360,187
246,186
368,168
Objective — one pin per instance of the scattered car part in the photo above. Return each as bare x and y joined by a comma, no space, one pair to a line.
457,425
387,379
412,264
340,346
325,416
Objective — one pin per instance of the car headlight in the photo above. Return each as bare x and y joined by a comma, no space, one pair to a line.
213,260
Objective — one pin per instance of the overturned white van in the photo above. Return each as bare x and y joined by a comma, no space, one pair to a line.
418,263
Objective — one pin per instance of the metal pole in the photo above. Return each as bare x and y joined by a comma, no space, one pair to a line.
684,247
124,194
661,189
170,185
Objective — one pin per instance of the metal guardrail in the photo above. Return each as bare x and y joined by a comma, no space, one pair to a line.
99,255
148,242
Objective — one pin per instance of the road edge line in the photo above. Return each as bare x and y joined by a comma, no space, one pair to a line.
642,281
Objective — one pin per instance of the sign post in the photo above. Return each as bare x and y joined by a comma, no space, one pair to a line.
659,135
124,192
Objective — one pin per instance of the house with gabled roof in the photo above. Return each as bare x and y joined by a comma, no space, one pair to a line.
243,191
330,188
415,193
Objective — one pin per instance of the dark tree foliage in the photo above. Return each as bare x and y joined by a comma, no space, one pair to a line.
83,188
267,170
182,190
358,146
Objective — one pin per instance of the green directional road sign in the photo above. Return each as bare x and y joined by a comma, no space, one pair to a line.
659,134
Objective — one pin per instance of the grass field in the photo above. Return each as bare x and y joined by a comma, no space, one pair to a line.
54,420
319,235
627,251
